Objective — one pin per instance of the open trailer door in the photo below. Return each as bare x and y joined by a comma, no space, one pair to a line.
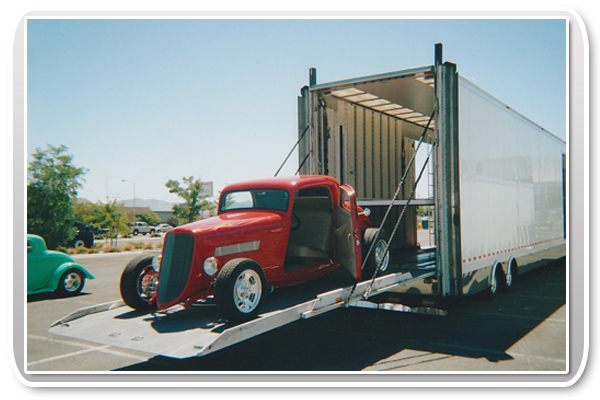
348,241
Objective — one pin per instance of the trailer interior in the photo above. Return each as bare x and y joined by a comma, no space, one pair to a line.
366,132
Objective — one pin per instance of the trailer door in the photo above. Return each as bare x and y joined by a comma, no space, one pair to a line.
348,241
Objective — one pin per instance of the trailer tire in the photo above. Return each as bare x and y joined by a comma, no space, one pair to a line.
496,280
376,255
511,276
239,289
138,284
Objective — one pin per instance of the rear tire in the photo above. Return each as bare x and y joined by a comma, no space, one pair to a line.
376,255
496,282
511,277
239,290
138,284
71,283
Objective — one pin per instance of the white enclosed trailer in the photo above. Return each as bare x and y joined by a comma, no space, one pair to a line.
497,185
497,180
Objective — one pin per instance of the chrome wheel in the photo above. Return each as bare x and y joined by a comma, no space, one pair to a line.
382,262
72,282
147,284
247,291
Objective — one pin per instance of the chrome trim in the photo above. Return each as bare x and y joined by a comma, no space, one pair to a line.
237,248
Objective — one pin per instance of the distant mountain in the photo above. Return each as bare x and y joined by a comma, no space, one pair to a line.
153,204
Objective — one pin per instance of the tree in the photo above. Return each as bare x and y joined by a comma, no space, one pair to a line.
113,217
195,202
52,185
151,218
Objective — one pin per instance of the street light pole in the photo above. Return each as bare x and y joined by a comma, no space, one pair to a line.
133,183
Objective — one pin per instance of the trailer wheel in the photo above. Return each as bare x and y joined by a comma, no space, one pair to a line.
239,289
138,284
496,280
71,283
376,256
511,277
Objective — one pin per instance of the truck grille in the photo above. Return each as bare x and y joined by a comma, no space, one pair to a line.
175,266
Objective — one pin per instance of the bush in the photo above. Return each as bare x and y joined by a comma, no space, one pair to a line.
147,246
95,249
110,249
127,247
81,250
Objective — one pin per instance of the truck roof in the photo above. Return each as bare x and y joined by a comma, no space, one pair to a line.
291,183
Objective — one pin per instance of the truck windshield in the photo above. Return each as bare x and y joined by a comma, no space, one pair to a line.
257,199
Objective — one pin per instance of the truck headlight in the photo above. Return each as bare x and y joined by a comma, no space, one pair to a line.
211,265
156,262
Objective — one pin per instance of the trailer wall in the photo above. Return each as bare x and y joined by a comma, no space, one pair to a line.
511,186
362,132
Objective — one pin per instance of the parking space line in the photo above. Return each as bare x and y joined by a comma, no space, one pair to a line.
86,349
76,353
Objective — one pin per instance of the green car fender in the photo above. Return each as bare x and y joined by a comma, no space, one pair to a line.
58,273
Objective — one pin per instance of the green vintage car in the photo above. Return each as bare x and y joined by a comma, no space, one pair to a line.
49,271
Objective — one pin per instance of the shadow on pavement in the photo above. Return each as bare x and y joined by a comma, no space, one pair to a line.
354,339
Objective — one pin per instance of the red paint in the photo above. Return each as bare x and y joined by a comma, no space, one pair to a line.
271,228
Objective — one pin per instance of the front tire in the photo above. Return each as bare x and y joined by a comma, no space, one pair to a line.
71,283
239,289
138,284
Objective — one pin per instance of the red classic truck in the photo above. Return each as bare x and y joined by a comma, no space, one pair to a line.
268,233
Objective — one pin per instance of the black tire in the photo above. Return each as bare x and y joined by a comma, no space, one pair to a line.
136,292
135,232
71,283
240,290
369,238
78,243
496,282
511,277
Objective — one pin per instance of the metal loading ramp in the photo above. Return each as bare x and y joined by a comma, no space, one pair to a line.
199,330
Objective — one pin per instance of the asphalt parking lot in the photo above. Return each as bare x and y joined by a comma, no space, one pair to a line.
524,330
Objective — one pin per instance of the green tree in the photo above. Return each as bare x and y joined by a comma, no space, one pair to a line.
113,217
195,202
151,218
52,183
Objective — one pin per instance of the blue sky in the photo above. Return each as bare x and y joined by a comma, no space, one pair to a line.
153,100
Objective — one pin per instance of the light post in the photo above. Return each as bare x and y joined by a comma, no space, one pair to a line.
133,183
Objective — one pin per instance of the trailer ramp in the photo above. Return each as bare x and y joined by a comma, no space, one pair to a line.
199,330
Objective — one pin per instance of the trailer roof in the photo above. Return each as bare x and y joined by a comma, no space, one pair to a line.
407,95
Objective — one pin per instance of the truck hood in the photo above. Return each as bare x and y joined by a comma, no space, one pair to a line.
243,221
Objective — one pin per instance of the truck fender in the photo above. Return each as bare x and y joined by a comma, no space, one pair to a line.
54,280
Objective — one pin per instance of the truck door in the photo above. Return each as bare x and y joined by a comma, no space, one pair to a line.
348,240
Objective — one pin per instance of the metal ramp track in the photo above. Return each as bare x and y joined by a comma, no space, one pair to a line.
199,330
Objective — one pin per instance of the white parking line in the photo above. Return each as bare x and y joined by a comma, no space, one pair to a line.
87,349
64,356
